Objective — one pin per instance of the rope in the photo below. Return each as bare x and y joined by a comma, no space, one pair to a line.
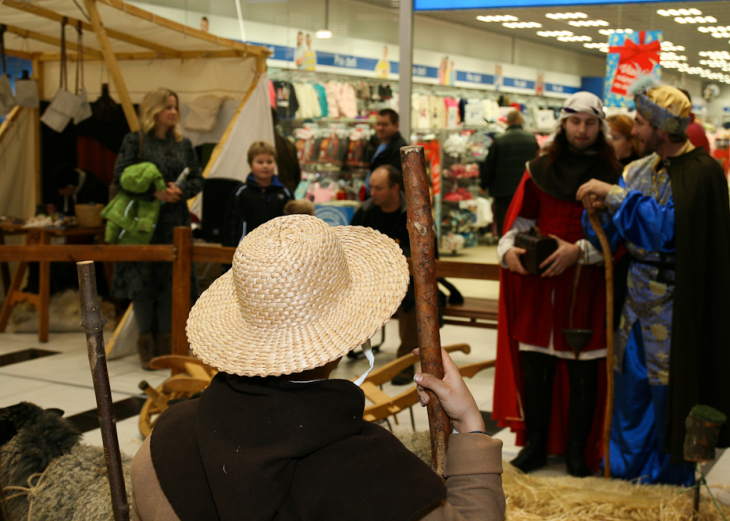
31,491
3,28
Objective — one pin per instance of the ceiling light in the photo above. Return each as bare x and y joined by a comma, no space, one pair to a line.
695,12
711,19
673,12
691,20
521,25
663,12
684,12
703,29
325,33
700,19
499,18
680,20
566,16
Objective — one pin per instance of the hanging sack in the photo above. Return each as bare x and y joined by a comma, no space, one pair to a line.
7,100
64,105
26,92
84,111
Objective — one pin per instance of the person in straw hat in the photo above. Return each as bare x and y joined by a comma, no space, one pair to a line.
670,212
272,437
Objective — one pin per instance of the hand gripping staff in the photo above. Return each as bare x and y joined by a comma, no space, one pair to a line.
422,232
93,323
608,262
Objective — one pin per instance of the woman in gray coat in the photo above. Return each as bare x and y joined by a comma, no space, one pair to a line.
149,284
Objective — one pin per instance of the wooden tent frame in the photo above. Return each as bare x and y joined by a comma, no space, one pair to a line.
231,48
106,53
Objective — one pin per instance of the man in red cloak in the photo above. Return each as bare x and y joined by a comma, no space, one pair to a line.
544,390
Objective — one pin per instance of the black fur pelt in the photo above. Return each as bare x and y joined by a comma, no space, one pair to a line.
30,438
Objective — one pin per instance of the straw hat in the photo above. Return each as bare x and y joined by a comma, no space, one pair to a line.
300,294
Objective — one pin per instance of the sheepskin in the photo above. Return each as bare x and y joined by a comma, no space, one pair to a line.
565,498
64,312
74,485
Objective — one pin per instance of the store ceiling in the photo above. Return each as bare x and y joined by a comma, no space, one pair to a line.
631,16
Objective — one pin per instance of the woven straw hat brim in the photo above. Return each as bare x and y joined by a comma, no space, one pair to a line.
221,337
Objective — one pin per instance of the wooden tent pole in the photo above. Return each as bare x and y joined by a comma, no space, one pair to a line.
608,262
36,122
111,62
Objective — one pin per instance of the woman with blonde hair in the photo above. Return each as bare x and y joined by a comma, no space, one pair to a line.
149,284
627,147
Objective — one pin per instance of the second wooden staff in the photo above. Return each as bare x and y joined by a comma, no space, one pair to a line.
422,232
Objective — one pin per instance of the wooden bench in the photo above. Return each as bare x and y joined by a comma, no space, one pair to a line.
474,312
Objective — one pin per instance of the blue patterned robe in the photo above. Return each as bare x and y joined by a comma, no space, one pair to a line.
641,216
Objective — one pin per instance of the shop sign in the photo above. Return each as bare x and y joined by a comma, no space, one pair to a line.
630,56
560,89
473,77
519,84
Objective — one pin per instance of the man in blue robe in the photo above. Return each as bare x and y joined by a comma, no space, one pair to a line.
670,213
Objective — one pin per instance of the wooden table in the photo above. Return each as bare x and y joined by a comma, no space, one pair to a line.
13,294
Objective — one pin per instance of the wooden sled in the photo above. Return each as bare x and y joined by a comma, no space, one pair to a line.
192,377
383,405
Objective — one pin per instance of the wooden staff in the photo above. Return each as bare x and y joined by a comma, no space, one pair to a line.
422,232
608,261
93,323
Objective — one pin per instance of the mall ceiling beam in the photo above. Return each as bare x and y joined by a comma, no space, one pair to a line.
32,35
248,50
112,65
116,35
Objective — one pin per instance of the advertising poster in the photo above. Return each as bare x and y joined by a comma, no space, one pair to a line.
630,56
498,78
382,68
540,84
304,56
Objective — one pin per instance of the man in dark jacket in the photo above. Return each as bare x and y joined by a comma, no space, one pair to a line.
504,167
384,147
386,212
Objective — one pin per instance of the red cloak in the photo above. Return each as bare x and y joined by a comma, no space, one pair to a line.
559,219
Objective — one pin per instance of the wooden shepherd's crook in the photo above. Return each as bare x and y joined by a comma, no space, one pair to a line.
608,262
422,232
93,323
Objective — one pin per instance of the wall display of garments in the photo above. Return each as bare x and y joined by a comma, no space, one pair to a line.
307,95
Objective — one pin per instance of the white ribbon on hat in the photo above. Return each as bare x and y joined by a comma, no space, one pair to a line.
368,352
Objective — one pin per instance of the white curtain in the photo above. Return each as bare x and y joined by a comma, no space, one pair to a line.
254,123
18,166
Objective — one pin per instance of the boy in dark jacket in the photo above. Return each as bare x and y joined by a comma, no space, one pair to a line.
261,198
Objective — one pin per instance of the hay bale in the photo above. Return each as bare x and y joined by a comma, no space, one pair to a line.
565,498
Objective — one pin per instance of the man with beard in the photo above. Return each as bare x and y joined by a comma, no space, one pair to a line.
547,391
670,212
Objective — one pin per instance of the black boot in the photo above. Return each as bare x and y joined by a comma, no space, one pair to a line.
575,460
539,371
533,456
583,395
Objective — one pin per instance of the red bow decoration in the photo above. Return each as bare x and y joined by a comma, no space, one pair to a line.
633,60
